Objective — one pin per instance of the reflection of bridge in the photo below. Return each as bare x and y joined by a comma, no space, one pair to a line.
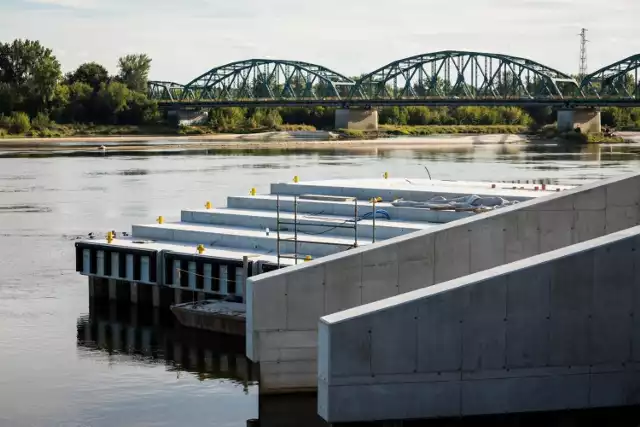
442,78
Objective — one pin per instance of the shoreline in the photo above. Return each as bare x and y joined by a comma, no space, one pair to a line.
267,140
309,140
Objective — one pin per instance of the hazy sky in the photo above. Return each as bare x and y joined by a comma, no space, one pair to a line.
186,38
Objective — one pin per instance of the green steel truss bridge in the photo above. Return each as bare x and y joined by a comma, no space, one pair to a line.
446,78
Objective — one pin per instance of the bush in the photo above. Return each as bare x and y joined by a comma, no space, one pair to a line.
41,122
3,132
5,122
452,129
20,123
352,133
191,130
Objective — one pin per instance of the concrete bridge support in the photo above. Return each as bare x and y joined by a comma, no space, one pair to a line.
356,119
557,331
586,119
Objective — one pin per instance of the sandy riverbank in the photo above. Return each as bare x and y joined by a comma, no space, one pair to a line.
268,140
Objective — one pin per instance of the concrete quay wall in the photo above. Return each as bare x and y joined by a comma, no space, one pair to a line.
556,331
284,307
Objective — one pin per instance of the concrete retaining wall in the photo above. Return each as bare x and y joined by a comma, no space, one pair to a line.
284,307
553,332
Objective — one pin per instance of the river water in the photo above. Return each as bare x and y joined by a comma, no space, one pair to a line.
66,363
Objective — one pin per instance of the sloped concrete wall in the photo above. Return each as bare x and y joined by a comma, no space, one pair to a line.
557,331
284,306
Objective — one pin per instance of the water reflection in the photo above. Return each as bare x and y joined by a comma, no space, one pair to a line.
132,334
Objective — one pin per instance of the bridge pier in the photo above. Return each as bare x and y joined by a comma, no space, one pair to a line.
586,119
356,119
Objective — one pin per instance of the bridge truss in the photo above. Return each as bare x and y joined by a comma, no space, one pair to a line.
467,75
450,77
164,91
618,80
266,79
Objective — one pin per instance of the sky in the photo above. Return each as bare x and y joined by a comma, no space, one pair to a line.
186,38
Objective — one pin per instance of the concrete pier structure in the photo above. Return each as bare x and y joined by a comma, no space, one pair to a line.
556,331
588,120
284,306
202,255
356,119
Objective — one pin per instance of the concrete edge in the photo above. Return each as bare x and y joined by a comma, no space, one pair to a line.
502,270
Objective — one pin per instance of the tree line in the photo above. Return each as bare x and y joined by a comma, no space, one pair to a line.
34,92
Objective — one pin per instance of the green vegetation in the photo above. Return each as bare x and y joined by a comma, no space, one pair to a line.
37,100
600,138
621,118
576,137
422,116
453,129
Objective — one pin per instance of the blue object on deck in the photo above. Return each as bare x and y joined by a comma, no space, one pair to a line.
380,213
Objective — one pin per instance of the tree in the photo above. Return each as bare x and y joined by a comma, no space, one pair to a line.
111,100
20,123
90,73
225,119
31,72
139,110
7,99
134,71
72,103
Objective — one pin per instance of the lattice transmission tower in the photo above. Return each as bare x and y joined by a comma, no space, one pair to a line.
583,52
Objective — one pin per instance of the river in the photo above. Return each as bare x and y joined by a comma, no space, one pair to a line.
66,363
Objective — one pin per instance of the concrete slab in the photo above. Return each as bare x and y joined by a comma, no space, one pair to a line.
345,209
244,238
307,223
412,189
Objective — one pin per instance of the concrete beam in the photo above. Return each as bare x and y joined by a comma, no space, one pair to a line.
551,332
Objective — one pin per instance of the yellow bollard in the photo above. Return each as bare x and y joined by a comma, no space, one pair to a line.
109,237
160,220
253,192
296,179
207,205
386,175
200,249
308,258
